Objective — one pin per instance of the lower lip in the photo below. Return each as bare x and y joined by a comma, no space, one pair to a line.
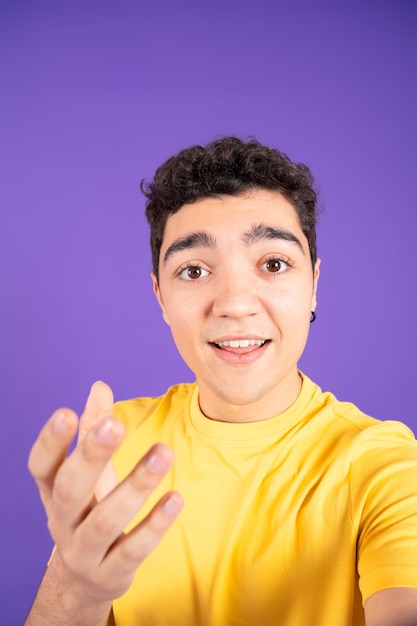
240,356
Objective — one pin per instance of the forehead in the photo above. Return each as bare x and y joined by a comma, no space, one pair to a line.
231,216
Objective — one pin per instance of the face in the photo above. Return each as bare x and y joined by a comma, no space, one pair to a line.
236,287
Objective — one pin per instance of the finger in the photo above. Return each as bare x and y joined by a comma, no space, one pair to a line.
106,483
107,520
49,450
131,550
77,476
100,403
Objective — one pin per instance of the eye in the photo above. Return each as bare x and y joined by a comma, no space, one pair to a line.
192,272
275,265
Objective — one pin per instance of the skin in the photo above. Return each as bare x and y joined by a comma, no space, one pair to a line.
87,510
223,286
392,607
238,288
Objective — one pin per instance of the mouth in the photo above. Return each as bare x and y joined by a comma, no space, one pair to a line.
240,352
240,343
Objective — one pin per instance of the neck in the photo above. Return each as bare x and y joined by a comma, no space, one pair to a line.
247,405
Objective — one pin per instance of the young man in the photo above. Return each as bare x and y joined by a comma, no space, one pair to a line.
249,497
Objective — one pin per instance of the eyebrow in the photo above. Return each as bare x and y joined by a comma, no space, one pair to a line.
258,232
199,239
261,232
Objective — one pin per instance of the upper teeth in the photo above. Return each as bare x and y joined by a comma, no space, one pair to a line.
241,343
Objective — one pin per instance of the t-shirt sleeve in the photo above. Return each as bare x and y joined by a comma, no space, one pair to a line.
383,489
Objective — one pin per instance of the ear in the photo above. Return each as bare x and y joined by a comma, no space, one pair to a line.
158,296
316,276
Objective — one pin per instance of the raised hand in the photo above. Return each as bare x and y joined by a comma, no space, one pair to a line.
87,509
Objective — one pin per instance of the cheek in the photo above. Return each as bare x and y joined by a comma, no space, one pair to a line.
291,316
184,335
293,305
186,307
182,322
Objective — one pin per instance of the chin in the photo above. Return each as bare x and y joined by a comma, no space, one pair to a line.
244,398
237,397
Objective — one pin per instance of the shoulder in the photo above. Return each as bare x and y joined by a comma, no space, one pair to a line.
135,411
148,420
368,430
360,445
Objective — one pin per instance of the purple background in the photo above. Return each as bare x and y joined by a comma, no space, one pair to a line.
95,95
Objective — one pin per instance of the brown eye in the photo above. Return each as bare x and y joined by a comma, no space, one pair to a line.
273,265
193,272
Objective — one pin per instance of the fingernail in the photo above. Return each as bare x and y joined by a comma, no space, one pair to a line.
60,424
172,506
155,463
106,433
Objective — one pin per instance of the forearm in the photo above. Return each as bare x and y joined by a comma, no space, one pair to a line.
60,602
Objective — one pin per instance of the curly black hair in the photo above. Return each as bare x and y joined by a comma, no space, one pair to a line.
228,166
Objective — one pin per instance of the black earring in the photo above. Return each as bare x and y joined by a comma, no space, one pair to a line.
313,317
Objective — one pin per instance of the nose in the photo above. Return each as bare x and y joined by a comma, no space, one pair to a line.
235,297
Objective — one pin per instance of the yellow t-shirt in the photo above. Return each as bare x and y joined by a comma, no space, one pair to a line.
290,521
